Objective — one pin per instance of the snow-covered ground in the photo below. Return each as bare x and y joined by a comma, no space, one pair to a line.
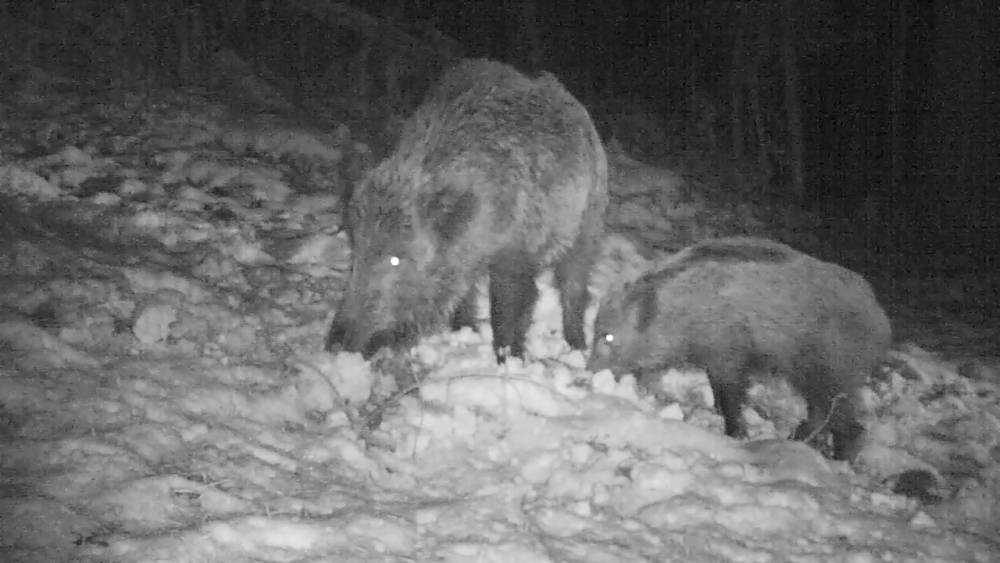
167,280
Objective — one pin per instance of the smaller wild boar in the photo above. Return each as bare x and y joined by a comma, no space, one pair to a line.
741,306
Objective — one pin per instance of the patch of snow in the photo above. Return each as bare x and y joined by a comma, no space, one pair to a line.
16,180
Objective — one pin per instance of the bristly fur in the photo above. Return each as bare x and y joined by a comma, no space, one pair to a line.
495,174
738,306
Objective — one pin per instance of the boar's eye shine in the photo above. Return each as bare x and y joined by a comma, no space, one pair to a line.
609,338
394,260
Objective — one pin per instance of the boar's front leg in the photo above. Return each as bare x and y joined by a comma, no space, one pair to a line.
466,313
512,301
572,274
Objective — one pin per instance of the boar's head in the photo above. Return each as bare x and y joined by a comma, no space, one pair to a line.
624,335
407,272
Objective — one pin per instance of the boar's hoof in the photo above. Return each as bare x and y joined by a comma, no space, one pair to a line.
335,338
396,337
379,340
509,351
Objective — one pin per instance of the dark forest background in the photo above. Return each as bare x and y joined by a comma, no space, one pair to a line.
884,112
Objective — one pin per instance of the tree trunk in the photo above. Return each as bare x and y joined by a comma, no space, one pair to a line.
793,106
898,64
531,36
359,73
695,113
690,51
958,67
759,123
523,42
184,47
738,99
610,12
511,29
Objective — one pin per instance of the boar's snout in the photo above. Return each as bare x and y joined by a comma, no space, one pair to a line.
599,361
347,336
600,357
343,337
389,338
596,364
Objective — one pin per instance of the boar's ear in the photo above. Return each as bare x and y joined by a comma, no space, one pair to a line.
448,211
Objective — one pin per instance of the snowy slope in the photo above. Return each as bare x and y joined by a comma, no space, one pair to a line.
163,396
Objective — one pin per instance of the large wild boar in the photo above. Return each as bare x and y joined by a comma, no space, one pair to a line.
496,174
741,306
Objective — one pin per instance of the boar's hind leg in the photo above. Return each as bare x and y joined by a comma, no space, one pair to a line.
847,432
465,313
512,302
820,395
572,274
